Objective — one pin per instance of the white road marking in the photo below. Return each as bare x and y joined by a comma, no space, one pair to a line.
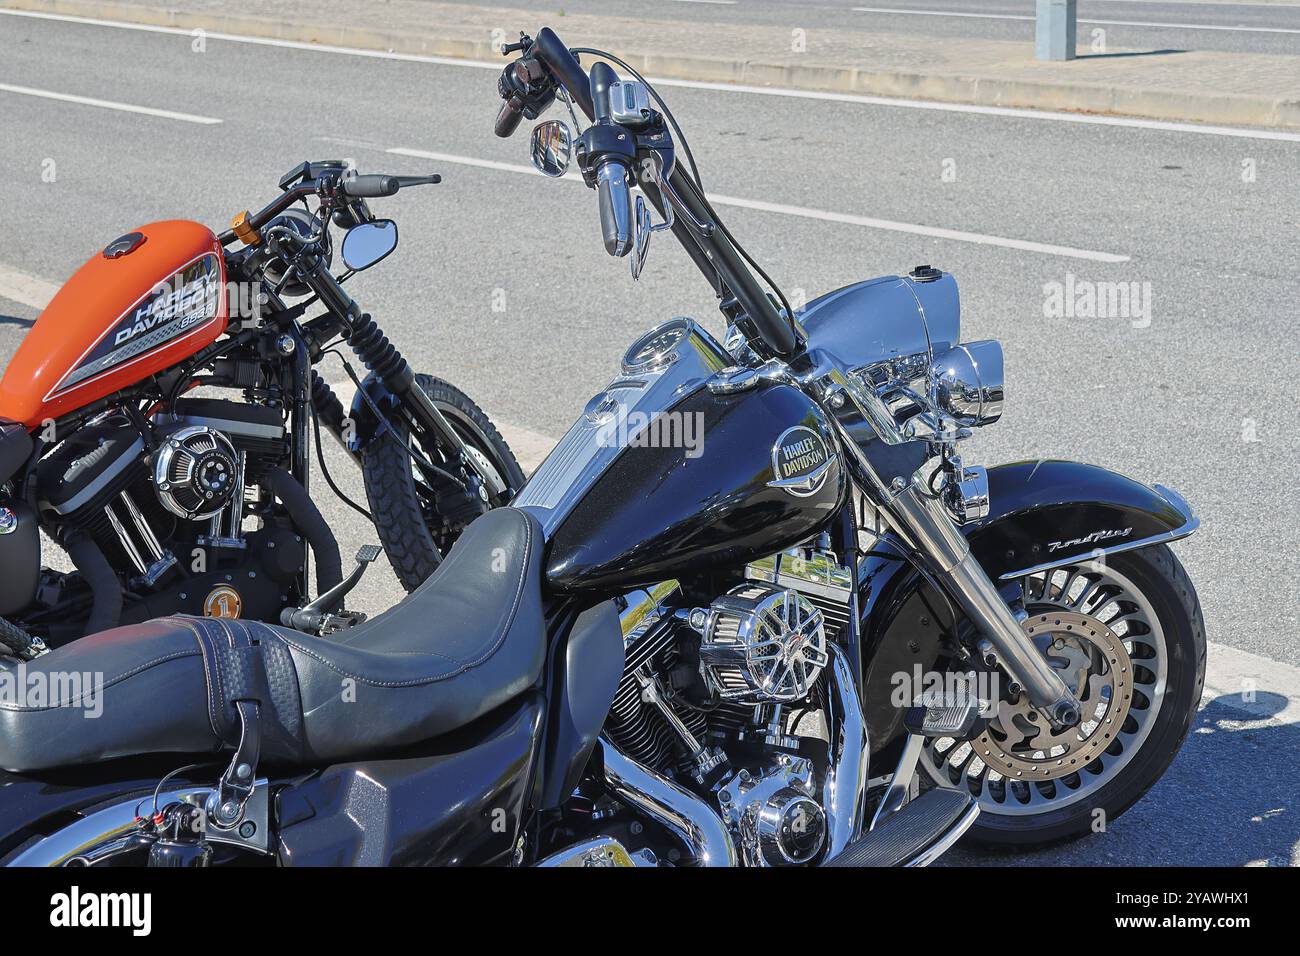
1089,119
821,215
859,98
26,289
941,13
718,3
258,41
931,231
1112,23
109,105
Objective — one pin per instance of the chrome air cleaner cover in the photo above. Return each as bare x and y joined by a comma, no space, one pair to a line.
763,645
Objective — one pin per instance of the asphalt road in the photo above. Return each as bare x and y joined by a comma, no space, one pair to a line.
1127,24
502,287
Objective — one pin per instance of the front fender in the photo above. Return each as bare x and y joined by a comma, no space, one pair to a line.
367,426
1049,513
1042,514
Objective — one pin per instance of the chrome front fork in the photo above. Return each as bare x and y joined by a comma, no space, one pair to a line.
921,518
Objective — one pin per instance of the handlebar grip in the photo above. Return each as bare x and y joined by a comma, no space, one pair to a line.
615,208
507,121
371,186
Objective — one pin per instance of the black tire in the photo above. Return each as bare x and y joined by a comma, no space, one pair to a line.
413,548
1157,573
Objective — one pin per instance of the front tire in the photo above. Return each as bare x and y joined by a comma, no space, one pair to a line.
1146,601
405,507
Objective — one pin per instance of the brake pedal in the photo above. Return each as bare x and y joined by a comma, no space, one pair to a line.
321,615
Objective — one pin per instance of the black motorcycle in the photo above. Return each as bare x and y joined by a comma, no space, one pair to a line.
181,400
748,595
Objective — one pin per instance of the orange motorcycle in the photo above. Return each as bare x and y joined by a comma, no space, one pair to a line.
157,423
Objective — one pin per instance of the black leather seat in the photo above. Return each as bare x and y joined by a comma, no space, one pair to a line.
469,639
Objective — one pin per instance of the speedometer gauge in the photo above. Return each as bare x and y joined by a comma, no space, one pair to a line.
657,349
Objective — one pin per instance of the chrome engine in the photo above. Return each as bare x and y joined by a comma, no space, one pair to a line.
732,702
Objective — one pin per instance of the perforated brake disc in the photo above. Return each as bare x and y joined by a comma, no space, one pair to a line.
1020,744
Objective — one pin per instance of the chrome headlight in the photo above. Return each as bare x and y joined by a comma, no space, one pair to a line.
969,382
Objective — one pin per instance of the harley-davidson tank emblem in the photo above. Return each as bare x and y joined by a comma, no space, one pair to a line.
800,461
188,299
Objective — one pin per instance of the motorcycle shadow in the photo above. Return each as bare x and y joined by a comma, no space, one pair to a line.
1230,798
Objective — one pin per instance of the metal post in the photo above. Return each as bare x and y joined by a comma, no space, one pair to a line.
1057,29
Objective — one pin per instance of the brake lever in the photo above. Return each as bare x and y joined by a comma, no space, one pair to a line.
675,201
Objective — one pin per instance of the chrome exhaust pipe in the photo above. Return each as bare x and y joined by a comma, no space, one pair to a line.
844,790
692,821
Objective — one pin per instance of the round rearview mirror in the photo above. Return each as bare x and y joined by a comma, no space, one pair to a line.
552,145
368,243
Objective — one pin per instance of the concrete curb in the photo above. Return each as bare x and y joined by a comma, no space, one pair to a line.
1228,109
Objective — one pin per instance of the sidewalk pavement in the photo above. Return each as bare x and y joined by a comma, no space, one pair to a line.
1188,86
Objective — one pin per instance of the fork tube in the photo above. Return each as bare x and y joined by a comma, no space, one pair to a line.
922,519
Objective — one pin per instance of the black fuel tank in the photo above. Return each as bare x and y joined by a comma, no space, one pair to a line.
766,475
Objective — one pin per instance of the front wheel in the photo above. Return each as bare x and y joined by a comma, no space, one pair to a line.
419,516
1127,636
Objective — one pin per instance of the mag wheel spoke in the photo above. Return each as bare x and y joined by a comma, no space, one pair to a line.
1104,639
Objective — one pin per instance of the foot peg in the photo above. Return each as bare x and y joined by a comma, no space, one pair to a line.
321,616
916,835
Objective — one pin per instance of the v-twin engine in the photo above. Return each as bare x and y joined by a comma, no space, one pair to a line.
741,702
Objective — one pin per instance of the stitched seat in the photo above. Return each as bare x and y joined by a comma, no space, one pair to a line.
468,640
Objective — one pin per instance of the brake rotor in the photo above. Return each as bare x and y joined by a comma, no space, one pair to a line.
1020,744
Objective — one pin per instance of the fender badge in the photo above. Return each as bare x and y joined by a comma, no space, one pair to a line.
8,521
223,601
1093,538
800,462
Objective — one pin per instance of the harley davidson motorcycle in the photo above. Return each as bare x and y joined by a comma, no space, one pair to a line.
106,446
671,652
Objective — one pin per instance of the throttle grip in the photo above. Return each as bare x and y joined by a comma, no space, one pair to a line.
612,173
615,208
507,120
373,186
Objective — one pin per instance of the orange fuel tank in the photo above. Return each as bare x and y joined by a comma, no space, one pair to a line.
146,302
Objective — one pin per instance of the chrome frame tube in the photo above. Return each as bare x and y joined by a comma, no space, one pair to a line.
900,784
692,821
844,791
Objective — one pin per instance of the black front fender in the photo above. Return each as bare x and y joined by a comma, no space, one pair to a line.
367,426
1045,514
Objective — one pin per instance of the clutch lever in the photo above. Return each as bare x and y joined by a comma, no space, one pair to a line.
705,229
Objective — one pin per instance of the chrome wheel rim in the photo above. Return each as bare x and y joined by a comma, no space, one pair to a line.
1104,636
